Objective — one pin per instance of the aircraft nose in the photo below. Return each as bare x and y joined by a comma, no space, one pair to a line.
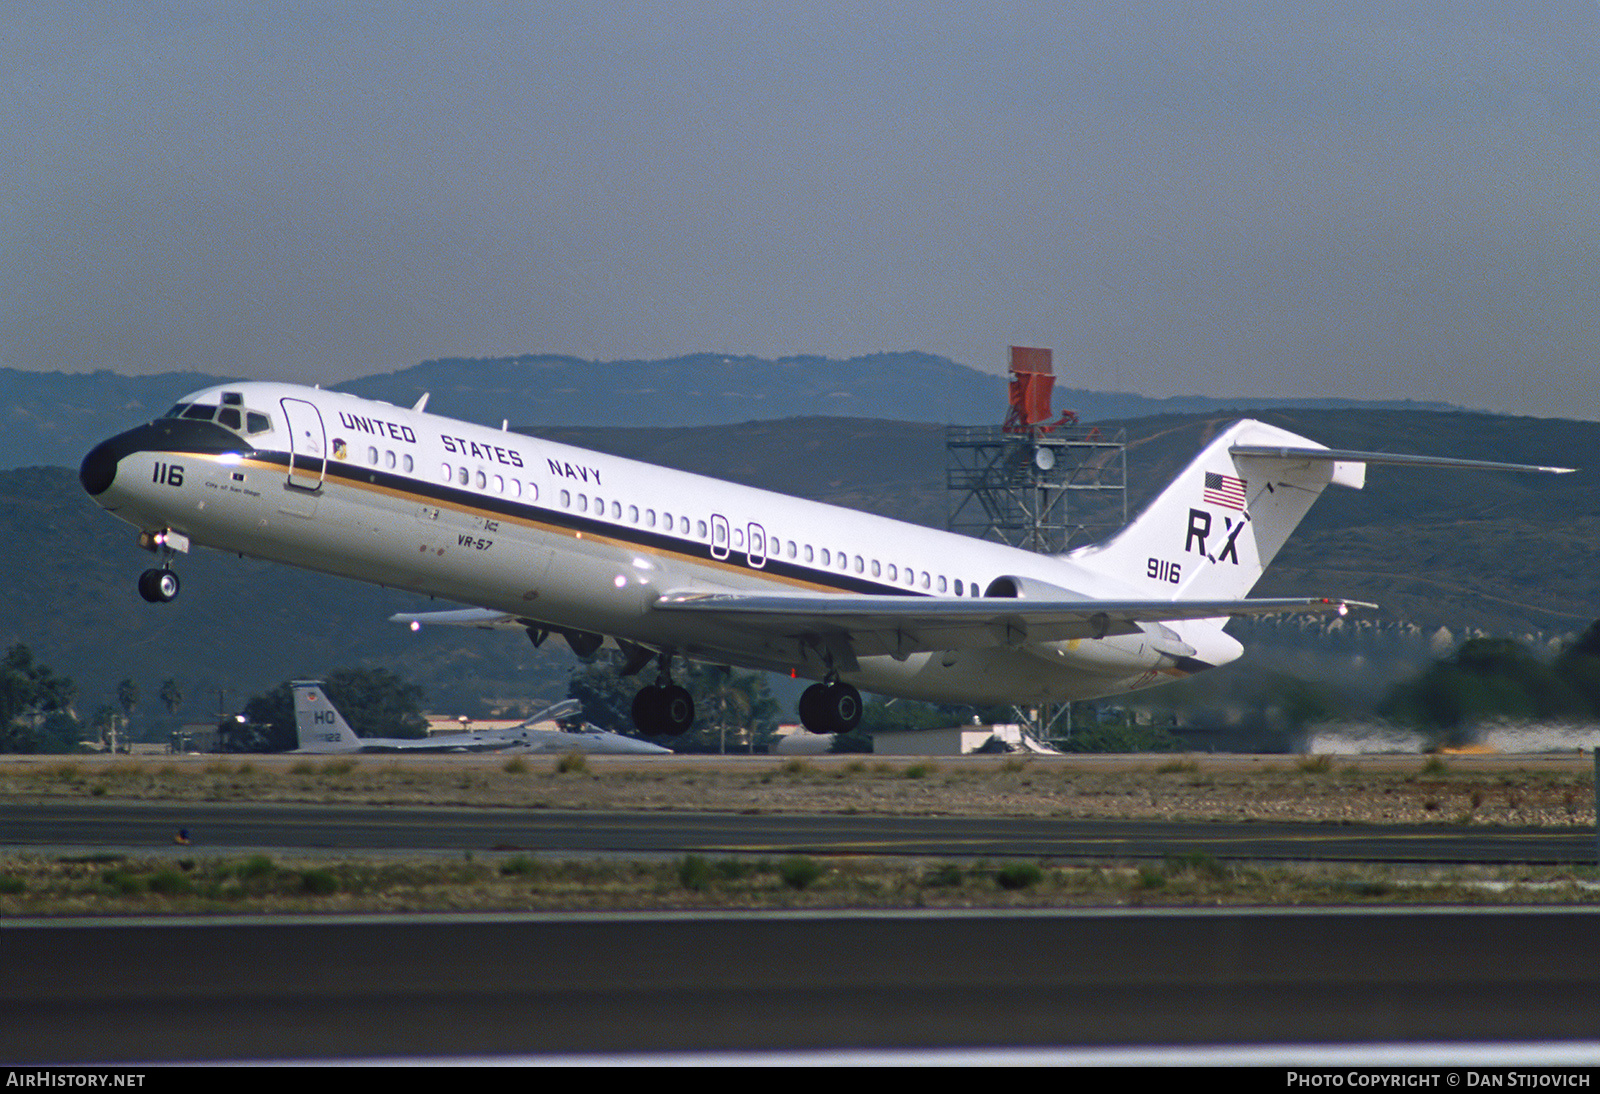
170,435
99,468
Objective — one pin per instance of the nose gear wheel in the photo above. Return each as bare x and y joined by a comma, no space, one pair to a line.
158,586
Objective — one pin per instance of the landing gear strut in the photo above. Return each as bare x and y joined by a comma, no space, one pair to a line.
663,709
830,707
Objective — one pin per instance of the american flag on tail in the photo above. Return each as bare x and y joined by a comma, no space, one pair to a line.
1224,490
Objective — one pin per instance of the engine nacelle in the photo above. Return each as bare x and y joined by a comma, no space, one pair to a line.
1122,647
1028,588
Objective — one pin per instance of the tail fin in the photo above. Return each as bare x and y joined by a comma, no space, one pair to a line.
318,724
1213,531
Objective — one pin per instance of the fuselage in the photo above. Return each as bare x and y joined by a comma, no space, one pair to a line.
581,542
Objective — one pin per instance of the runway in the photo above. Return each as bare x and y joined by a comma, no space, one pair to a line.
231,827
833,985
592,985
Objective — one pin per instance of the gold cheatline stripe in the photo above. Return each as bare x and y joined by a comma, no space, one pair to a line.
539,525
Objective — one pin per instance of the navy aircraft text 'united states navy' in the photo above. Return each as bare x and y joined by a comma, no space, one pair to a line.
558,540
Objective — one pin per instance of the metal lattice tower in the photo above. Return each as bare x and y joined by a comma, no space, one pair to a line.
1045,491
1042,487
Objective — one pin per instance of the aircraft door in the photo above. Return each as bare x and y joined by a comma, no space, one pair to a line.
721,537
757,553
308,444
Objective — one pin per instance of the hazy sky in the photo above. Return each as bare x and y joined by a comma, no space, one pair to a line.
1366,200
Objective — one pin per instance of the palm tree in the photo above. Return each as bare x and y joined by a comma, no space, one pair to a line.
127,699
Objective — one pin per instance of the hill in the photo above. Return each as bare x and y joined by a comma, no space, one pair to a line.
52,419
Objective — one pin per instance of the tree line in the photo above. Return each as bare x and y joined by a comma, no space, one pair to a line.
1482,680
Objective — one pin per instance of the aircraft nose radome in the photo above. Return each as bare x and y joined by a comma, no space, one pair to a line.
99,468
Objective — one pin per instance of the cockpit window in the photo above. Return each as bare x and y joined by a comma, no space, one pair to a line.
231,414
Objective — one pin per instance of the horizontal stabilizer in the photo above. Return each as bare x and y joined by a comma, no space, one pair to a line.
1336,455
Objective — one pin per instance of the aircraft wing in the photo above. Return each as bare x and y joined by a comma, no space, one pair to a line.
900,625
862,626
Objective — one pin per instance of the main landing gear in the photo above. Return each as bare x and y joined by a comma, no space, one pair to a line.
663,709
830,707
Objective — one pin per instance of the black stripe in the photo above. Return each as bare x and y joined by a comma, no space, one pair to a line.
646,539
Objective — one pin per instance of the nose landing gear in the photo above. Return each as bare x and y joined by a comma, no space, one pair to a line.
160,585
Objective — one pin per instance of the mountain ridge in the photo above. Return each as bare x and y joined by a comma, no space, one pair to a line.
52,419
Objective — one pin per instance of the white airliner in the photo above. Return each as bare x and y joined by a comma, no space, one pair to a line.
322,730
555,539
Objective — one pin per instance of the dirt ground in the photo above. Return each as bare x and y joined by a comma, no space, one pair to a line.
1482,789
